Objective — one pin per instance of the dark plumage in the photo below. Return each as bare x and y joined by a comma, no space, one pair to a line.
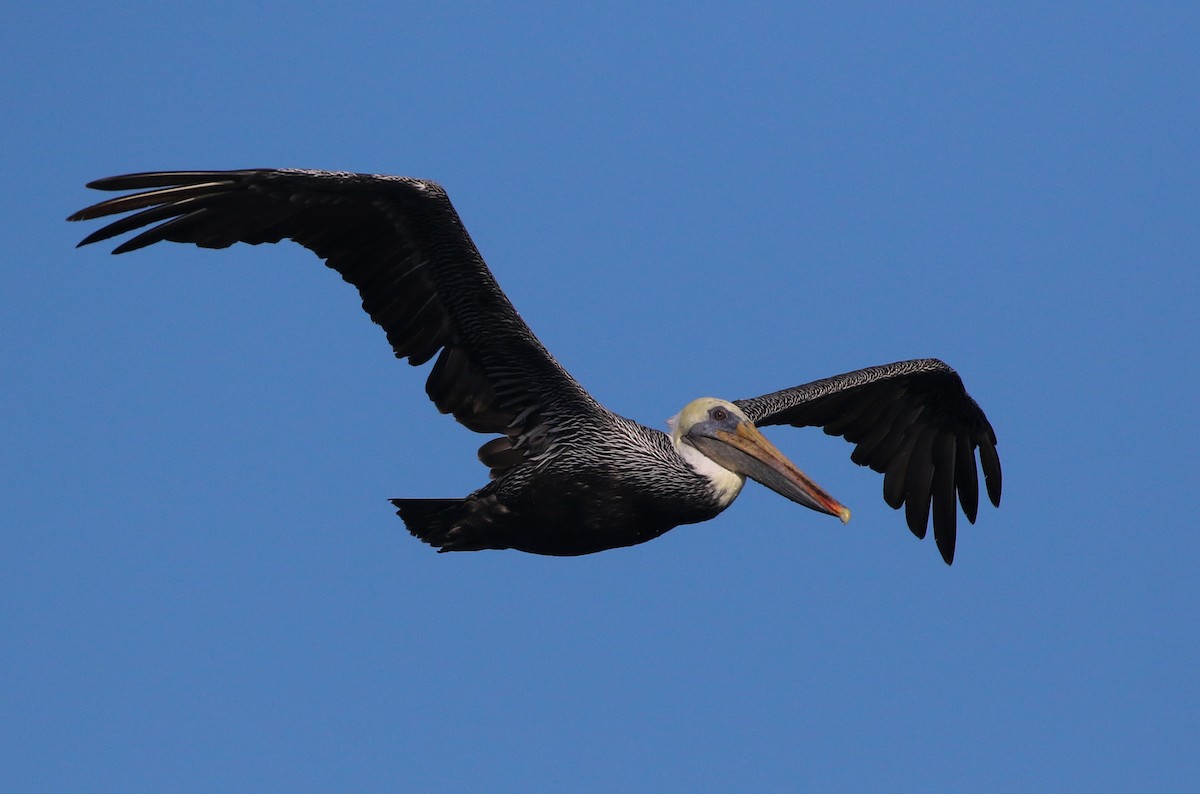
911,421
569,476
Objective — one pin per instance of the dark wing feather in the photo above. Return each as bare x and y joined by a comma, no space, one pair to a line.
913,422
401,243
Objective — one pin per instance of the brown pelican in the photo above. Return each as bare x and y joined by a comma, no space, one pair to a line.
568,476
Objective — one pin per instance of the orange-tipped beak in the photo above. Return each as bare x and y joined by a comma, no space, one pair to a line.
760,460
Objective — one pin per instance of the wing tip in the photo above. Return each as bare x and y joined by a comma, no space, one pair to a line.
947,550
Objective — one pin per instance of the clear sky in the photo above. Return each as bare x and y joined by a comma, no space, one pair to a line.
203,587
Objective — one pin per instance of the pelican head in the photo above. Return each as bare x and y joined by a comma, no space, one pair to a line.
721,443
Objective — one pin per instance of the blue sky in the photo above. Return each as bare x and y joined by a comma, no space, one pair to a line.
204,588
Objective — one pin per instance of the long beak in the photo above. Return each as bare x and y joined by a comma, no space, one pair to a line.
747,451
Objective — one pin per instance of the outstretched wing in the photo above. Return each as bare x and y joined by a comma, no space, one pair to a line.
913,422
401,243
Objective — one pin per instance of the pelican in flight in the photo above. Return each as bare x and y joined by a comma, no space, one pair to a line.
568,476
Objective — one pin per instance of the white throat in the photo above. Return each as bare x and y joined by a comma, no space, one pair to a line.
726,484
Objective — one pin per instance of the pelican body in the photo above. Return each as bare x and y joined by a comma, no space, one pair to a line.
568,476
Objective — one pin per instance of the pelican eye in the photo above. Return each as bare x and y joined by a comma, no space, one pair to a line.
718,414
